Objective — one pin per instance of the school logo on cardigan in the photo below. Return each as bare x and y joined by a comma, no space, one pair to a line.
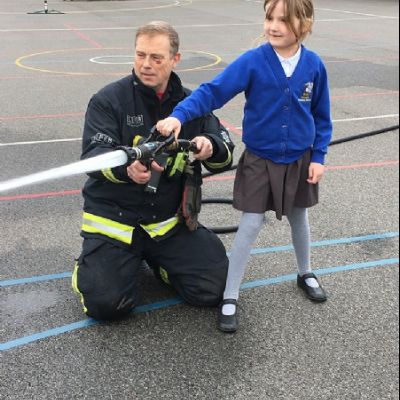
308,91
135,121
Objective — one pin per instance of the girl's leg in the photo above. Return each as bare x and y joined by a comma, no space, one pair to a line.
249,228
301,237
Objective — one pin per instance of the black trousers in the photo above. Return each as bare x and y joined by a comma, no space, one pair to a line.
109,276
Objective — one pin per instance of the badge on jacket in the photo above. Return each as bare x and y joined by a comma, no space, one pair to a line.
135,121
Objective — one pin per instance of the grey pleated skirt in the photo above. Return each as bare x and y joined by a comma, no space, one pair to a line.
262,185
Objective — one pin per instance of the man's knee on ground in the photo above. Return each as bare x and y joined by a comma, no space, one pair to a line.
206,290
109,307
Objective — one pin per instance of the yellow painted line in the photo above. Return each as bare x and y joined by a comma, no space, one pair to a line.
217,61
20,62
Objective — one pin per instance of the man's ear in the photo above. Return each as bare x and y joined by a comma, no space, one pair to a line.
177,59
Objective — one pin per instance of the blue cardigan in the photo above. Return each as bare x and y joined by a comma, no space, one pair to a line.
283,118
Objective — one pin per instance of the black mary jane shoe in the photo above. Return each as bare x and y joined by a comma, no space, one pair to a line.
315,294
228,323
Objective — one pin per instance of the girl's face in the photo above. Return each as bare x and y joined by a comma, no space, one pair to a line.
278,31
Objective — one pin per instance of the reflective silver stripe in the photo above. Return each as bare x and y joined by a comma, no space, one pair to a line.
115,230
161,228
223,164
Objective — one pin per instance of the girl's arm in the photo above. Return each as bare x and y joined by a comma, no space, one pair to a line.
209,96
321,111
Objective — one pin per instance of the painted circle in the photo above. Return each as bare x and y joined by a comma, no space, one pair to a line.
20,62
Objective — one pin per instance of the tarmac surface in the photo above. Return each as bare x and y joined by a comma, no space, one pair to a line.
286,348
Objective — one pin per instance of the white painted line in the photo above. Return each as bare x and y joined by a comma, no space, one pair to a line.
130,28
176,3
367,118
358,119
119,58
40,142
357,13
199,26
239,127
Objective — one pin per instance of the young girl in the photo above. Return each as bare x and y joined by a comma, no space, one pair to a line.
287,129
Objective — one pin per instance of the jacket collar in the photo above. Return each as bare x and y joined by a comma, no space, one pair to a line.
174,91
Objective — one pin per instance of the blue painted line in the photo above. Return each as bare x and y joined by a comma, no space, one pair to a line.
35,279
50,333
82,324
331,242
321,272
267,250
158,306
175,301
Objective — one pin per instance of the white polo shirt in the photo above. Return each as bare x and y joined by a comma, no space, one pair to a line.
289,64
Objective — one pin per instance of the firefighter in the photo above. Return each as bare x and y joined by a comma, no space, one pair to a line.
126,225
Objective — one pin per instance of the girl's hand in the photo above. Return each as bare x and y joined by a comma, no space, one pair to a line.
315,173
169,126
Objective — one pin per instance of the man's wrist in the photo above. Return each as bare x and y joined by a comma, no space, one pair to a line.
213,144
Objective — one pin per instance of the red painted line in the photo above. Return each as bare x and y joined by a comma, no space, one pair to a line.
211,179
219,178
231,127
81,35
359,166
41,195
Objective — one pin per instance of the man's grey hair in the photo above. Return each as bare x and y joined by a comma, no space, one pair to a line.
161,28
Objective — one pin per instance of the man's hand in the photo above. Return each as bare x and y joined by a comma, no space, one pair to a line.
205,147
169,126
315,173
140,174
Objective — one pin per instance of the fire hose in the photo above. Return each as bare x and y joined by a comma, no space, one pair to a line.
146,153
121,155
232,229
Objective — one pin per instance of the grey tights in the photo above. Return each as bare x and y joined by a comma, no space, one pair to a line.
250,227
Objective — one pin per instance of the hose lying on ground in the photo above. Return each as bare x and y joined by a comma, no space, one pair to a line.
232,229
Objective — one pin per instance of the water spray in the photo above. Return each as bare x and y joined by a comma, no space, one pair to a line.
145,153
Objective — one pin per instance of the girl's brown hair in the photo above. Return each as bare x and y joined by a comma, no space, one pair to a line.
303,10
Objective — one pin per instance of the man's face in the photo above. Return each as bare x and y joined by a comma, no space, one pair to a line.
154,62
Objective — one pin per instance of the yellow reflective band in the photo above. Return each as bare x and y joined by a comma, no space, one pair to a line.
107,227
107,172
162,228
180,163
164,276
75,286
136,140
223,164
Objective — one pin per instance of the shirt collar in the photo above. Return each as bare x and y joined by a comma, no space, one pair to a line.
291,60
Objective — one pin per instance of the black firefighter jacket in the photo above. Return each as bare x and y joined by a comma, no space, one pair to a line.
118,114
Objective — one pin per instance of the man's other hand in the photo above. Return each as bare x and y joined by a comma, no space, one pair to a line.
205,147
140,174
169,126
